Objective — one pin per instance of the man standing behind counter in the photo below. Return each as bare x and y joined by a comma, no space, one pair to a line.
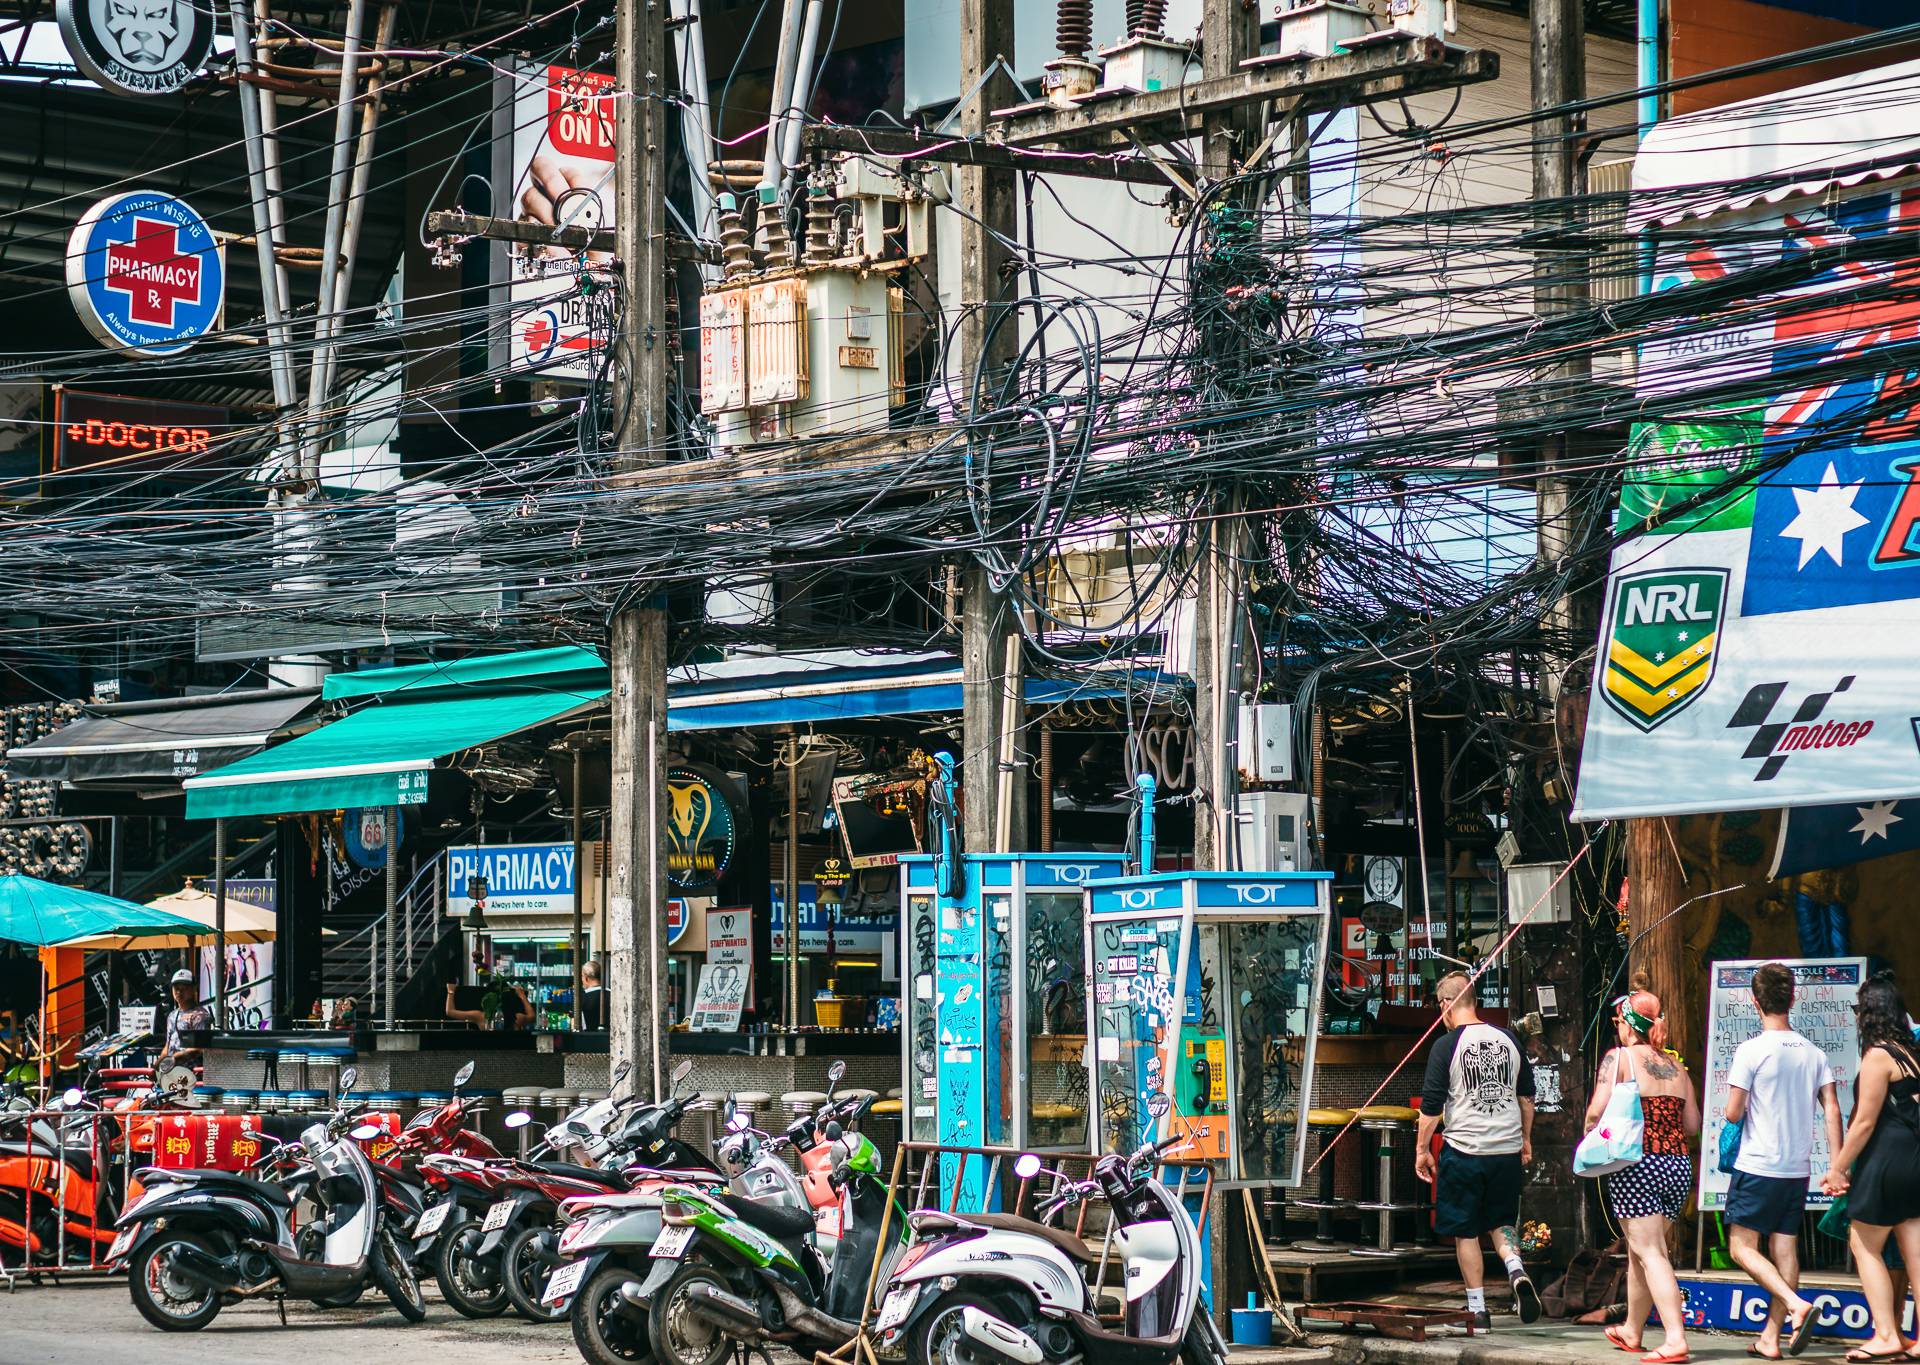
1479,1084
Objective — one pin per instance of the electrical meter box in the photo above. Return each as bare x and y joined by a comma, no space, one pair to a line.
994,1042
1206,986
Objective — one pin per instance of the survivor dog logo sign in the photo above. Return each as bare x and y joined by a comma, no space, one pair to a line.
146,273
138,47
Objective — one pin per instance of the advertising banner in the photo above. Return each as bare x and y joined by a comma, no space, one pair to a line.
553,141
1760,634
854,925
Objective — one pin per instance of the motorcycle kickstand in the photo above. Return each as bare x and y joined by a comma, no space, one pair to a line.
280,1302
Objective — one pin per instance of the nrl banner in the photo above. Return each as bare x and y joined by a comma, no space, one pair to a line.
1760,641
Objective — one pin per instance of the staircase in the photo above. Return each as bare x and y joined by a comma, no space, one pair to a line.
354,963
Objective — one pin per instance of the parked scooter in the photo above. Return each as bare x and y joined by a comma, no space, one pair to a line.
198,1240
644,1155
995,1289
753,1272
60,1178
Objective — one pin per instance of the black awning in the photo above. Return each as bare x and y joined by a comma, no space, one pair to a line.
158,743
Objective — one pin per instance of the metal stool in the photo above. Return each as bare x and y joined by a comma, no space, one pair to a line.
269,1059
526,1098
752,1103
799,1102
1325,1205
1384,1121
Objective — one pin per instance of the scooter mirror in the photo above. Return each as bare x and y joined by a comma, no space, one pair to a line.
366,1132
519,1118
681,1072
74,1098
737,1123
835,1072
1027,1167
619,1074
348,1075
1158,1104
463,1075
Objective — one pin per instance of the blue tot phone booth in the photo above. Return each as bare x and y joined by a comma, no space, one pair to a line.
995,996
1207,986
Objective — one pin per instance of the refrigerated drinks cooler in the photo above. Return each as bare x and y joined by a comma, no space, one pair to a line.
1206,985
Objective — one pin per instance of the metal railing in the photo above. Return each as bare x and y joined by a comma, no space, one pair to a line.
417,927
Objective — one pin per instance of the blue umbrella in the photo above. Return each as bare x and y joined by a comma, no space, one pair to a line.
45,914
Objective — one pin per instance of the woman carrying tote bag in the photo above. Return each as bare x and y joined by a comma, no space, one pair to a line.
1647,1197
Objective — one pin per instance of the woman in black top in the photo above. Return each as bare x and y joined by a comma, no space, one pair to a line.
1882,1151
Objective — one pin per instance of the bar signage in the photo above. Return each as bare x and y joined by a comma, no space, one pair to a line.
107,429
521,879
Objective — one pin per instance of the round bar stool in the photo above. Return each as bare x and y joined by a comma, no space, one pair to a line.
1387,1122
1324,1205
796,1103
269,1059
526,1098
752,1103
1423,1234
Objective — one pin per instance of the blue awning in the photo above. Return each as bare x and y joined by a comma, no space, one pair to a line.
837,685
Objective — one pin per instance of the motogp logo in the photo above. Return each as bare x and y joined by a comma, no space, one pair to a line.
1775,741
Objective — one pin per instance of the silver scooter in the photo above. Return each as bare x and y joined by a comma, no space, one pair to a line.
996,1289
198,1240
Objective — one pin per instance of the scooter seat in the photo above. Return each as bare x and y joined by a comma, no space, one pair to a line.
591,1175
226,1180
78,1159
929,1220
776,1220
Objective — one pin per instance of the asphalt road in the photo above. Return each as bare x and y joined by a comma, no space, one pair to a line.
95,1321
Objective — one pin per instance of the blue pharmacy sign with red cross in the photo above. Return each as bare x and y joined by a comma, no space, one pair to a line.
146,273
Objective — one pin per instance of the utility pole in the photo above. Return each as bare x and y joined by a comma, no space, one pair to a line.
1554,953
992,706
1229,34
637,648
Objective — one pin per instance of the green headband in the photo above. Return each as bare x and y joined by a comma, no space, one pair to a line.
1638,1021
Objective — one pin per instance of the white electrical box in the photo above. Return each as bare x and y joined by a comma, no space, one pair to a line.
1271,828
1323,27
1527,883
1424,18
851,345
1265,742
1146,64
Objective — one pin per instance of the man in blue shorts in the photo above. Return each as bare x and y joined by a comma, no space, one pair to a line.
1777,1080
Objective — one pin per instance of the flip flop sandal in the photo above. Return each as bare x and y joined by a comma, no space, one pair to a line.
1759,1354
1663,1358
1802,1333
1619,1340
1891,1357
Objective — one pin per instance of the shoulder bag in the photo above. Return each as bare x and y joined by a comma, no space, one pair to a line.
1617,1141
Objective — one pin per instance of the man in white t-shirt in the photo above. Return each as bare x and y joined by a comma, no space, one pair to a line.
1777,1082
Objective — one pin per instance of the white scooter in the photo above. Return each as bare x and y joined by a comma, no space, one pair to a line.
997,1289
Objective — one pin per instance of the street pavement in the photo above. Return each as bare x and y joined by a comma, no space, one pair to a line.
95,1321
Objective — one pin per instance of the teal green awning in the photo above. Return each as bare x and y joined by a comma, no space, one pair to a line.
380,755
43,913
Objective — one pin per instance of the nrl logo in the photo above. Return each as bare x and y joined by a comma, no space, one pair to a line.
1662,628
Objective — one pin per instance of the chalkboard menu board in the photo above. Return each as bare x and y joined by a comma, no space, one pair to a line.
1823,993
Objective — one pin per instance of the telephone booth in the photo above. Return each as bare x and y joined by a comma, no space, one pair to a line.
994,1041
1207,986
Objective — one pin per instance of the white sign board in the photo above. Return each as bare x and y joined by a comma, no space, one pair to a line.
553,141
721,996
1823,995
522,879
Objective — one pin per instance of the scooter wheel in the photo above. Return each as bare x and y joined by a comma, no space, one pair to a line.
470,1286
164,1298
525,1275
679,1336
937,1338
603,1335
393,1272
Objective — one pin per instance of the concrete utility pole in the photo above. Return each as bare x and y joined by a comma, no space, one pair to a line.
993,707
1555,952
1229,34
637,650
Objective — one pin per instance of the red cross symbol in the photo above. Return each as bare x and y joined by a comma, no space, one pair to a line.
153,272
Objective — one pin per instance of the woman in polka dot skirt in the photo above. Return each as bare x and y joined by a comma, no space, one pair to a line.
1647,1197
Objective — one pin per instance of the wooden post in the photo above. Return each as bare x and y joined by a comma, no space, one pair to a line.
219,924
637,648
1655,885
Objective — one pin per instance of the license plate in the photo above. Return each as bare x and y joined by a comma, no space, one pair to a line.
899,1303
671,1243
564,1282
432,1220
497,1216
120,1244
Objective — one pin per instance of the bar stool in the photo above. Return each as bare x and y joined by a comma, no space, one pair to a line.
753,1104
269,1059
802,1102
1325,1205
1385,1121
521,1097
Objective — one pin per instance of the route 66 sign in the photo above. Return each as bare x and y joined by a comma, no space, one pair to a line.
146,273
138,47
